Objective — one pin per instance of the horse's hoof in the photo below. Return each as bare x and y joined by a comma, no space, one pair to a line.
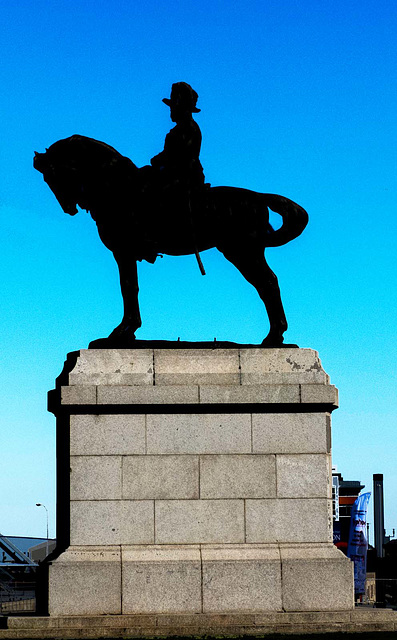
273,339
118,339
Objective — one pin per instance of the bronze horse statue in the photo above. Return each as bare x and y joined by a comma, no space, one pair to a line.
137,224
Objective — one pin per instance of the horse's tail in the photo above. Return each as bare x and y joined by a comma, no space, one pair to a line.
294,217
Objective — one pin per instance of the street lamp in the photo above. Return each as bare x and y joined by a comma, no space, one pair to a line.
38,504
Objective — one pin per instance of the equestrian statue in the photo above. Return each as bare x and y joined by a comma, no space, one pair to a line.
167,208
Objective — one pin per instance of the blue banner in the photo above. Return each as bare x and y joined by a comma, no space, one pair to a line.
358,543
337,533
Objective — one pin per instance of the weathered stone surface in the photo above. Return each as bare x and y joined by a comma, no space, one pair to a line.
294,366
107,434
98,622
85,581
319,393
173,379
117,394
161,477
95,477
373,615
83,394
241,580
161,579
113,366
303,617
303,476
252,394
111,522
317,578
291,433
196,366
237,476
206,621
199,521
201,624
288,520
194,433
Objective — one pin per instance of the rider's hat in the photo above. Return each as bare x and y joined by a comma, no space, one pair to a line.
182,94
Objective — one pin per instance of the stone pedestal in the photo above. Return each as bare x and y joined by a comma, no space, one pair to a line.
200,482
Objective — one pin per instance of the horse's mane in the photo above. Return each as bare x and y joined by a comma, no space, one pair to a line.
91,150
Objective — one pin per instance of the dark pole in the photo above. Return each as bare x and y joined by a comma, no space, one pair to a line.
379,521
379,530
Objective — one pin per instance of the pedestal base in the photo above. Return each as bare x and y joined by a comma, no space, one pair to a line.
201,625
200,482
200,579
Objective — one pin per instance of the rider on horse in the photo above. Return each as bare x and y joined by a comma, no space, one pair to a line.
178,167
172,187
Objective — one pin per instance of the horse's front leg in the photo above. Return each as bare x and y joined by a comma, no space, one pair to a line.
124,333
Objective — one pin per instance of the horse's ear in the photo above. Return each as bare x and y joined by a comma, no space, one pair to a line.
36,153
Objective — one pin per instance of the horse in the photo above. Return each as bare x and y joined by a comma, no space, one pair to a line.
138,223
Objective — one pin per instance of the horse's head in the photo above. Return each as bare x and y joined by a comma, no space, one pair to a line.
61,178
85,172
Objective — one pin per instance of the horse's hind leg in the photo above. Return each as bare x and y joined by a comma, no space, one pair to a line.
253,266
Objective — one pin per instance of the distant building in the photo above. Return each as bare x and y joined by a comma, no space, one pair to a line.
19,560
40,551
344,495
17,577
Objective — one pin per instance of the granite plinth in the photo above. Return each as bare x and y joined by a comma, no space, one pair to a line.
200,482
204,625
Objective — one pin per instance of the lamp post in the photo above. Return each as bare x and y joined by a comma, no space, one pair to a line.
38,504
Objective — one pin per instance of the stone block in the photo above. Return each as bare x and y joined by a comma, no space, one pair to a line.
85,582
161,580
252,394
199,521
291,433
95,477
198,433
281,366
113,366
316,578
111,522
372,627
237,476
196,366
95,624
113,394
161,477
206,622
107,434
373,615
295,378
289,520
303,476
319,393
302,618
83,394
241,580
173,379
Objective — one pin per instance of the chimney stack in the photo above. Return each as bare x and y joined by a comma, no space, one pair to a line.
379,519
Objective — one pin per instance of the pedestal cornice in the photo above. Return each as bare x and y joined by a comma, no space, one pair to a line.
245,379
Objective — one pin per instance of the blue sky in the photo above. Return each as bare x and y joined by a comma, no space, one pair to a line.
298,97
